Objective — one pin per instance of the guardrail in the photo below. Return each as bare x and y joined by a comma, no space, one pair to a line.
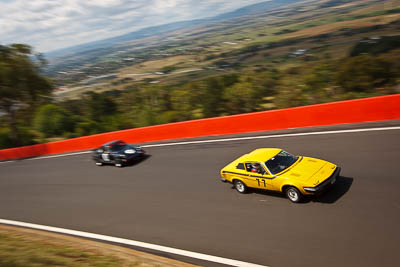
351,111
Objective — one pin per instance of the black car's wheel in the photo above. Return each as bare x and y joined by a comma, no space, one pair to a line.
118,164
240,186
99,163
293,194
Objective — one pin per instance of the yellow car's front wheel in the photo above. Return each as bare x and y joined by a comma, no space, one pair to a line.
293,194
240,186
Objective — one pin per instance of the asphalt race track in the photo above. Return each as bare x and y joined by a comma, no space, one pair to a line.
174,198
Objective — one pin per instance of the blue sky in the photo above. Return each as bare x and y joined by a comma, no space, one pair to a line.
49,25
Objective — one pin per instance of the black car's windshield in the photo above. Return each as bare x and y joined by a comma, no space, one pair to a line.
118,147
281,161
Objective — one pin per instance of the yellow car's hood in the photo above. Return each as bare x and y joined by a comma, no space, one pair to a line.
310,170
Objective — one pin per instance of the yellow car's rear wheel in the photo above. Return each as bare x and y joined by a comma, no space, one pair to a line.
240,186
293,194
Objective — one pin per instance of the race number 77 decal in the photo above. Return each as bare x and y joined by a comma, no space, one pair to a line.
261,181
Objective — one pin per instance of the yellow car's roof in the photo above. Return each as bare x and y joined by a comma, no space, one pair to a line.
260,154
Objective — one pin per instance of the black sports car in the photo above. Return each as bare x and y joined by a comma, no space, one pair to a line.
118,153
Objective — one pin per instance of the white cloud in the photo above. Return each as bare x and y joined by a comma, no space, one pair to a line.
103,3
52,24
164,5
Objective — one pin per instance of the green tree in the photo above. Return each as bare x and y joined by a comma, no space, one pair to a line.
317,82
185,100
100,106
240,98
22,83
248,92
181,101
5,140
142,105
364,73
52,120
86,127
319,78
211,98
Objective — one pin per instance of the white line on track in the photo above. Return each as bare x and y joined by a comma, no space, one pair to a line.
118,240
61,155
234,139
8,161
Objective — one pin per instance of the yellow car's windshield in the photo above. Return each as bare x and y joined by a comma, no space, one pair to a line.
280,162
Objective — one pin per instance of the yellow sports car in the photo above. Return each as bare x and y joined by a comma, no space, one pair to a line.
277,170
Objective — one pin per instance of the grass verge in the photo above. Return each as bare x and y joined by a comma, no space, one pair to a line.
21,247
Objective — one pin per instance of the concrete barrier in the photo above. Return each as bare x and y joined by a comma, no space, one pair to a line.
351,111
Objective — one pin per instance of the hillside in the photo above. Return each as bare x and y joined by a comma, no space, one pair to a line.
261,57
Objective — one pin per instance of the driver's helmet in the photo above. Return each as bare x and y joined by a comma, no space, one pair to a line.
256,166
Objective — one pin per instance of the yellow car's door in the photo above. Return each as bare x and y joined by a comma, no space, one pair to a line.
258,177
274,182
277,182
